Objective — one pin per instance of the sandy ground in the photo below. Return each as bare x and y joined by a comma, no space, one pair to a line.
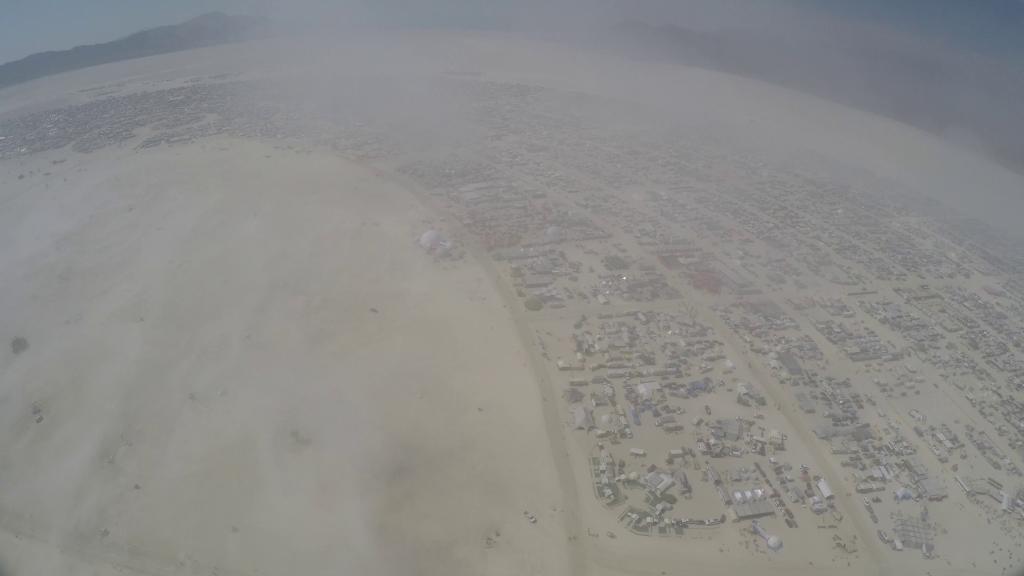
246,365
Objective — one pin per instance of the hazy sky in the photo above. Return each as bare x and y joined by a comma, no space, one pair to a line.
992,26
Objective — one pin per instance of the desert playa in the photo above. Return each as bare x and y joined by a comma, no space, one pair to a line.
250,367
481,305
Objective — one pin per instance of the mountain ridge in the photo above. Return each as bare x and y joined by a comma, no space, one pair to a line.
207,29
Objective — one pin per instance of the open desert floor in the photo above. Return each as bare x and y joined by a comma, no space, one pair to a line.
236,350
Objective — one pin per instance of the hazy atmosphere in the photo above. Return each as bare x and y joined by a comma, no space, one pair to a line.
579,287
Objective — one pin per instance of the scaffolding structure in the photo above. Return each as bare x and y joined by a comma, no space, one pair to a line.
914,532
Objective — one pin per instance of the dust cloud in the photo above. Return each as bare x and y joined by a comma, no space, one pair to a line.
272,292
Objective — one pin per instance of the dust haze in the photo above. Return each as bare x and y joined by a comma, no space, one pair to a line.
571,287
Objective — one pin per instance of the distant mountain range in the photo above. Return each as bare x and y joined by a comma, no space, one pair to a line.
969,98
206,30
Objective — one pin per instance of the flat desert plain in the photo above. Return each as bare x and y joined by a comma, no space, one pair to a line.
234,353
245,364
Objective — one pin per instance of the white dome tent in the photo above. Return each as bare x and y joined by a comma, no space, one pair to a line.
430,240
